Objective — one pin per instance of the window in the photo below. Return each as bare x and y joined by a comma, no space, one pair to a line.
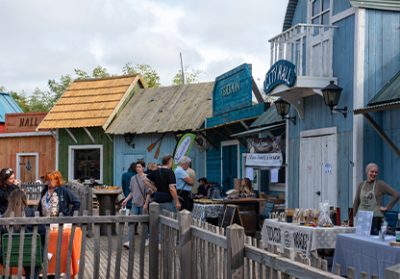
320,13
86,161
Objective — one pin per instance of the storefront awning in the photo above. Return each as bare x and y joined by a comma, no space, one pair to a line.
387,98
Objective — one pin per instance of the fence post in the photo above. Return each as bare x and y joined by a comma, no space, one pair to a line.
154,219
185,245
235,251
392,272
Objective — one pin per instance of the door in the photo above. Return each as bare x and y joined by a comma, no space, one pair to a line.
229,166
318,171
27,168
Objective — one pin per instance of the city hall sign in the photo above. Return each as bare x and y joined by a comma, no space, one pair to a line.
282,72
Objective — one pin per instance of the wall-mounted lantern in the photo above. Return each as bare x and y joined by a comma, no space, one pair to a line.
283,108
331,94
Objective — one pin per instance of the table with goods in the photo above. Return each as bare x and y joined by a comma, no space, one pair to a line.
303,231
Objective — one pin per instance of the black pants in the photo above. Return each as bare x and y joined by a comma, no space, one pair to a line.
186,200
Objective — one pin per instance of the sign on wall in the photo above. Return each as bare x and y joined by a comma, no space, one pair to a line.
23,122
233,90
264,159
183,147
282,72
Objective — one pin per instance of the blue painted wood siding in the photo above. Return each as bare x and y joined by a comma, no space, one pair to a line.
142,142
382,57
339,6
317,115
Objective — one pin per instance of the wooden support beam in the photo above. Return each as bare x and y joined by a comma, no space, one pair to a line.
71,135
89,134
256,91
382,133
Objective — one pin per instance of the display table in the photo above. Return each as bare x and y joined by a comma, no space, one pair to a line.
204,211
301,239
365,254
63,253
249,211
107,198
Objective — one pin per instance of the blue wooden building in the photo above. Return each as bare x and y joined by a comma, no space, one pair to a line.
233,112
158,117
355,44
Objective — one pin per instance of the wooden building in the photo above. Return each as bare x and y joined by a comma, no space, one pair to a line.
355,44
233,112
158,117
83,149
30,153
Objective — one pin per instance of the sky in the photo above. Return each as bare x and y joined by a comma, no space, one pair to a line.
44,39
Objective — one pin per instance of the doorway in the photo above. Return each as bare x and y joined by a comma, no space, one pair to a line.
318,168
27,167
230,164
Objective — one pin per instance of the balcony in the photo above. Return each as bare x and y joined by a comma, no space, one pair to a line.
310,48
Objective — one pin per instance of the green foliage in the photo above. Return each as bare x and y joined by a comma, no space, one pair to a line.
191,76
149,75
21,99
100,72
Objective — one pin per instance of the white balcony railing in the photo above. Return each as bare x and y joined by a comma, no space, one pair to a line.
308,46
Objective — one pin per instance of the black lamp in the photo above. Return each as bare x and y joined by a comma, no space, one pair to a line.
129,139
331,94
282,108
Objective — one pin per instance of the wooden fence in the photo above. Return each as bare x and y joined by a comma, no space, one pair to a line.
179,247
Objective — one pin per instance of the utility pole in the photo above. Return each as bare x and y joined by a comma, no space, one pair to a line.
182,69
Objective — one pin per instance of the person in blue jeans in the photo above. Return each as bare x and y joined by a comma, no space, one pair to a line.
126,181
139,193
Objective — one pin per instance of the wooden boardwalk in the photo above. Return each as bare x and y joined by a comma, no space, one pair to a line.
89,260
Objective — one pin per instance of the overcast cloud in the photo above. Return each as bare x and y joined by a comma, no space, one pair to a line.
44,39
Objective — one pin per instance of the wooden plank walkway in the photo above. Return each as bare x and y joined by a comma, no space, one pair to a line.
89,259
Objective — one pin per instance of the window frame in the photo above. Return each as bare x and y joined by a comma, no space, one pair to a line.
320,13
71,158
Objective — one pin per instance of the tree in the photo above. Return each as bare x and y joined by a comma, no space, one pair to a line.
20,98
191,76
149,75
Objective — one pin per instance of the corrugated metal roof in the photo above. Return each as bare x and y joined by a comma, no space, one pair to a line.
291,8
390,92
392,5
387,98
165,109
89,103
270,116
7,105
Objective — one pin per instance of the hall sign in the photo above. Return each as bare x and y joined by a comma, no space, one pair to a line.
23,122
264,159
282,72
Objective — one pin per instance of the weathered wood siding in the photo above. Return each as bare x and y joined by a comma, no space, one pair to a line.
83,139
122,150
44,145
317,115
382,56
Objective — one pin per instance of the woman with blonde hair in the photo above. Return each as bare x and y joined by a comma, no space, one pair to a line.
56,198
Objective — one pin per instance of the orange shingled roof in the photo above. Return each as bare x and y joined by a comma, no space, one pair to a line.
90,103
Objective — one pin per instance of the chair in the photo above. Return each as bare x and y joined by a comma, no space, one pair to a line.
27,250
391,218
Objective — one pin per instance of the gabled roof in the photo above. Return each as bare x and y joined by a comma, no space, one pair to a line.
91,102
7,105
165,109
290,9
